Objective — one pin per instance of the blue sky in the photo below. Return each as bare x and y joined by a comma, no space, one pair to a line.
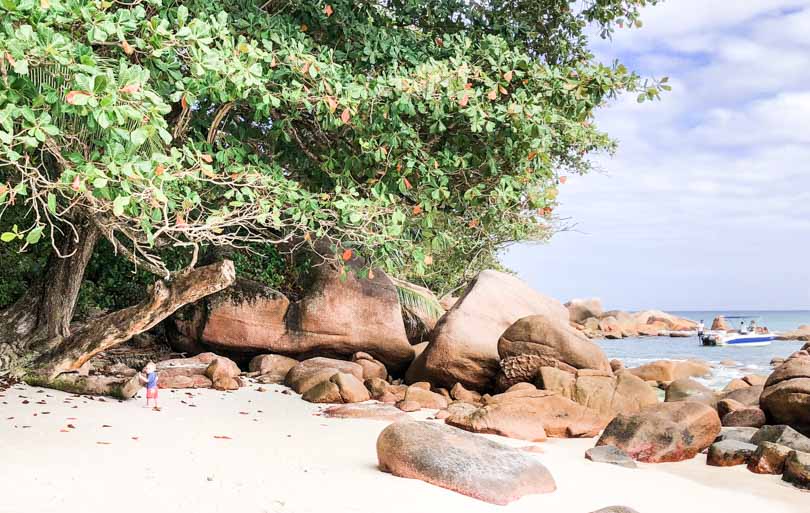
706,204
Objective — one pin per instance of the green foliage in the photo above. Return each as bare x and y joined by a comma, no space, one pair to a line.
423,136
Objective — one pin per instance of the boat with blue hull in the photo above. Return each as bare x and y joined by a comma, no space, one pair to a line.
751,336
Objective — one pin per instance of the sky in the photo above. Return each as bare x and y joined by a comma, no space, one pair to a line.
706,203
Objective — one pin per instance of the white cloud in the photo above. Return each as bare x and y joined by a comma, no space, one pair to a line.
710,188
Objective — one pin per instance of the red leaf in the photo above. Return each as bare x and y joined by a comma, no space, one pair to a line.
184,102
508,76
463,101
73,95
10,59
407,183
417,210
206,158
347,255
345,116
77,183
222,437
159,170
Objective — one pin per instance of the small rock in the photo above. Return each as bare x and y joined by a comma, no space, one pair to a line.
610,454
729,453
406,405
616,509
769,458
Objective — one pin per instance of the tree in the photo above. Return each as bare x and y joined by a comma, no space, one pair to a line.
395,130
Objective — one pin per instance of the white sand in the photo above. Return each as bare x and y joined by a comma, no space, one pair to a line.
282,458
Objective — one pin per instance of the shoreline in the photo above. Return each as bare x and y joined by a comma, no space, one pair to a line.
279,456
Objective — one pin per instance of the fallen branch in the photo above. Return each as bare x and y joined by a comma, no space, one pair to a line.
105,332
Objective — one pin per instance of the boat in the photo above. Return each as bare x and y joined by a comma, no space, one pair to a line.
757,338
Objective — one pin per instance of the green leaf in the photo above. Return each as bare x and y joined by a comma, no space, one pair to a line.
100,183
119,204
34,235
52,203
8,236
138,136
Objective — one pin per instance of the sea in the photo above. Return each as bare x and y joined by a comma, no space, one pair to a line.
748,360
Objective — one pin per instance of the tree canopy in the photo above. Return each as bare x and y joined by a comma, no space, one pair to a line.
421,136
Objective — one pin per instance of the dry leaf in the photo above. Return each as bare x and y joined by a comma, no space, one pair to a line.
347,255
127,47
508,76
345,116
72,96
130,89
407,183
493,95
206,158
463,101
417,210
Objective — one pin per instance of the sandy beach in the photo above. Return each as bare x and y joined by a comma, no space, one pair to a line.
267,451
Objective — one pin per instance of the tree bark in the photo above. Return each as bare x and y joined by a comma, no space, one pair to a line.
69,353
63,280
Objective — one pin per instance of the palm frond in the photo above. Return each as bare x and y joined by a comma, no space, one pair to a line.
418,301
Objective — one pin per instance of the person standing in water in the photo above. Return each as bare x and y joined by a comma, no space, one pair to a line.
700,329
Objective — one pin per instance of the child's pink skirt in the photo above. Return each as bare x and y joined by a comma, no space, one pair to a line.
151,393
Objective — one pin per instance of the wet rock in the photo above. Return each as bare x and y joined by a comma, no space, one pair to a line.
729,453
610,454
783,435
460,461
669,370
664,432
686,389
769,458
797,470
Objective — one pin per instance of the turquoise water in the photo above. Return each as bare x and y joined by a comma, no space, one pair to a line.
750,360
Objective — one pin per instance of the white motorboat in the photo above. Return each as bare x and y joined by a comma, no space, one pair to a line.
737,339
742,338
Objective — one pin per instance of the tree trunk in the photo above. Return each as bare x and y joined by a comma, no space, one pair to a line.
63,281
35,338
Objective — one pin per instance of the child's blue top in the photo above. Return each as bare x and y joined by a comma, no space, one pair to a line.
151,380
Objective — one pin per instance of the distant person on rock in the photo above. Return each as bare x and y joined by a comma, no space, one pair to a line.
149,378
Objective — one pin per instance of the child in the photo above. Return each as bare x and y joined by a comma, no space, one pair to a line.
149,377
